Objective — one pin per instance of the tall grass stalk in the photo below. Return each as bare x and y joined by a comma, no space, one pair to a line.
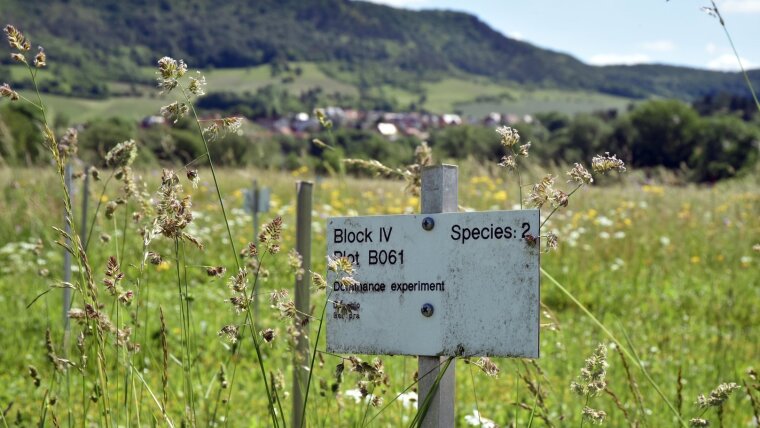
75,248
97,210
422,411
248,319
313,359
161,408
714,9
612,337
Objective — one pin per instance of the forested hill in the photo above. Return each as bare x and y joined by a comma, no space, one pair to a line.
365,43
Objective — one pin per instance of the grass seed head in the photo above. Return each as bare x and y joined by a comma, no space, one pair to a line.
596,417
219,128
580,174
40,60
251,250
607,163
295,261
16,39
215,270
59,363
174,111
552,241
541,192
7,92
717,396
508,162
239,282
230,332
122,155
239,303
268,335
559,199
271,234
68,143
523,150
278,296
169,71
287,309
197,86
35,375
593,377
192,175
126,297
488,366
154,258
318,281
222,378
510,137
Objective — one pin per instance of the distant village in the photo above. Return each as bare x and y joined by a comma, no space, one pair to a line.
389,124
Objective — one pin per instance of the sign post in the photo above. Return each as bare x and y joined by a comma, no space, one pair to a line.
303,246
440,186
256,201
436,284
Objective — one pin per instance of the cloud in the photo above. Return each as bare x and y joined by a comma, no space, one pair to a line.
516,35
728,62
740,6
711,48
617,59
659,46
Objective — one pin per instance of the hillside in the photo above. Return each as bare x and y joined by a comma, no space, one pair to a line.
93,42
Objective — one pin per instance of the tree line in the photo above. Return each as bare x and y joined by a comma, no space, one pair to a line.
715,138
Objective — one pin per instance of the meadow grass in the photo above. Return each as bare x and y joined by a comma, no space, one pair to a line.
671,268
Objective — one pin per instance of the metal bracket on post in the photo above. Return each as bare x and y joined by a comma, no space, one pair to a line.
439,194
303,246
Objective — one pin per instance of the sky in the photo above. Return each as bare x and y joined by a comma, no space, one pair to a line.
602,32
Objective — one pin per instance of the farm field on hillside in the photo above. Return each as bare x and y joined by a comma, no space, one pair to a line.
670,271
471,96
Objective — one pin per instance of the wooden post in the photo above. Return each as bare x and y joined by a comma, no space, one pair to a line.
303,246
66,255
439,195
254,209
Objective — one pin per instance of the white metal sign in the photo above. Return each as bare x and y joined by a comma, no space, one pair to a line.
436,284
256,201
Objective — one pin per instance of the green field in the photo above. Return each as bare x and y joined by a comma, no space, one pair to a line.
546,100
471,96
669,271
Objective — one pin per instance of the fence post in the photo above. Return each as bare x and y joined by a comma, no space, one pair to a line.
303,246
439,195
254,208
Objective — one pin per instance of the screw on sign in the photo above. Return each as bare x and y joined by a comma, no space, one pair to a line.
439,284
427,310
